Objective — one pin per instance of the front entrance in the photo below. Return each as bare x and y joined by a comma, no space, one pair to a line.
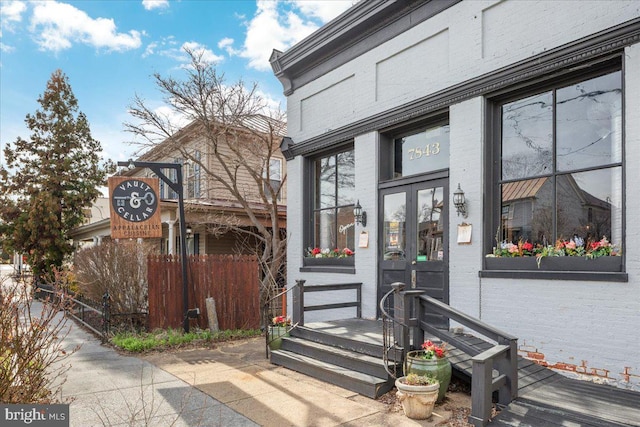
413,242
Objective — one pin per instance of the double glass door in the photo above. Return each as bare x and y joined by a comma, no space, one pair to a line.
414,239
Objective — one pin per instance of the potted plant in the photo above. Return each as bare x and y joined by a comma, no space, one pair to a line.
333,257
418,394
431,360
278,328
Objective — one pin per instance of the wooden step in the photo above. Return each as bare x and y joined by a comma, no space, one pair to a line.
336,356
352,342
358,382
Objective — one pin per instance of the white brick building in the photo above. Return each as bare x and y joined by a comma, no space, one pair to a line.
532,108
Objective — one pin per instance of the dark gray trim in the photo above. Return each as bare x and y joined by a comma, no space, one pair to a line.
364,26
284,148
564,59
328,269
586,276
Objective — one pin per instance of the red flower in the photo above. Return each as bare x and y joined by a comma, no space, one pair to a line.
439,352
427,344
315,251
595,245
527,246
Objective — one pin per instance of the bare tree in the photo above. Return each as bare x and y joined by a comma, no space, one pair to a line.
240,137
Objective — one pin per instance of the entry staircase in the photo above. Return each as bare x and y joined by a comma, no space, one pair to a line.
366,356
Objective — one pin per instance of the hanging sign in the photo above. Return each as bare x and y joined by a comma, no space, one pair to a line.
135,208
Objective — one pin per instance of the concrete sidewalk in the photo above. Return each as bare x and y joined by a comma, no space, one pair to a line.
110,389
238,375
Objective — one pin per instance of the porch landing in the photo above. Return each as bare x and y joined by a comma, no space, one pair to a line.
544,396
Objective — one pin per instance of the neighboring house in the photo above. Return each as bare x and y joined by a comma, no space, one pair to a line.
210,210
531,108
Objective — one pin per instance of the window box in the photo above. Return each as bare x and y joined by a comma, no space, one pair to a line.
329,262
566,263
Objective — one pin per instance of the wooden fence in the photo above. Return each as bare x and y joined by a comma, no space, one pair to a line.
232,280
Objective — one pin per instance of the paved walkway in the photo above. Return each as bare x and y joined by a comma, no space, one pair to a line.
238,375
110,389
230,385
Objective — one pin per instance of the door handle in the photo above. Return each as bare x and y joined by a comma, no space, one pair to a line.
413,279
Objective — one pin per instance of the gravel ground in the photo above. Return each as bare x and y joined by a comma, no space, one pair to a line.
456,406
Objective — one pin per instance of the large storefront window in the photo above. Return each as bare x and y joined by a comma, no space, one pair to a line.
334,198
560,177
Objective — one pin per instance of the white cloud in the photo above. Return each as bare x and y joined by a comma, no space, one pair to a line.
201,51
226,44
275,27
58,26
11,13
155,4
322,9
6,48
169,48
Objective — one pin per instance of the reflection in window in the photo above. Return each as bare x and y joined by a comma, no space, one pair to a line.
273,178
333,220
194,176
430,227
577,193
425,151
395,214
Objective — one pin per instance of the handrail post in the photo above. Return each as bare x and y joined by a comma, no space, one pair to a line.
509,367
481,379
298,303
399,302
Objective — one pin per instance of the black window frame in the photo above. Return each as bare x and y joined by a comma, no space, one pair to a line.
328,265
528,269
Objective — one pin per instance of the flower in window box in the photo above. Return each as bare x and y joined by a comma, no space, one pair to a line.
329,253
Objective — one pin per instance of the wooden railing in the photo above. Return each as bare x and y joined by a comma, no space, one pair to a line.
299,307
410,309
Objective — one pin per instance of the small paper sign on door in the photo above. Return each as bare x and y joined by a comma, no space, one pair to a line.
464,233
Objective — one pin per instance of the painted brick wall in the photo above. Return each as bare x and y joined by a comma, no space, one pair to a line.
467,130
581,328
481,36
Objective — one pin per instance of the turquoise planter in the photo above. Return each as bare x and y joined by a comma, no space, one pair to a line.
437,368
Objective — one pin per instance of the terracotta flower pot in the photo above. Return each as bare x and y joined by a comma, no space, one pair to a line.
417,400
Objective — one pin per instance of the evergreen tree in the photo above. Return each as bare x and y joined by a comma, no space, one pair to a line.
49,179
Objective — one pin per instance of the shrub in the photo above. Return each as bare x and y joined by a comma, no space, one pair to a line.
31,350
117,268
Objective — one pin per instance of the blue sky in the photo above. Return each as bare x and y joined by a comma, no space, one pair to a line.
109,50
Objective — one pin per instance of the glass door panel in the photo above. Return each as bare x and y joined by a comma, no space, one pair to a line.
394,232
429,226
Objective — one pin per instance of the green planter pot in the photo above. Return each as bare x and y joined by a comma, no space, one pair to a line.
275,332
437,368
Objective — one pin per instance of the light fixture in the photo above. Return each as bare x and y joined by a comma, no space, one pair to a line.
189,231
359,215
459,202
131,165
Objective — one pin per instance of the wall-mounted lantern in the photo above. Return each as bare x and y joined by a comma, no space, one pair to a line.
459,202
359,215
